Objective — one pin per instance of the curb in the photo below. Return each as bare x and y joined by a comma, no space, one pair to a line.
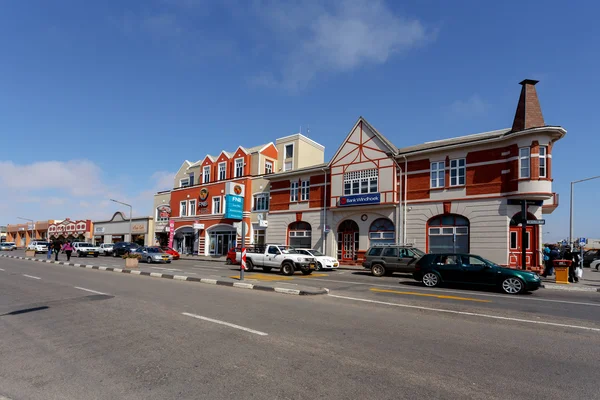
342,268
209,281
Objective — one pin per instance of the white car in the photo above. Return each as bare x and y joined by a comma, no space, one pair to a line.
106,249
38,246
323,261
9,245
83,249
595,264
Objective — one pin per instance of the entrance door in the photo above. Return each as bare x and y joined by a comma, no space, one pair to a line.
348,235
348,250
516,244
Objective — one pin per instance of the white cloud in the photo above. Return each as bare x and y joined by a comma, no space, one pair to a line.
163,180
328,37
473,106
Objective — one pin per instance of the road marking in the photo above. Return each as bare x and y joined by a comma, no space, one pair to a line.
507,297
1,269
89,290
216,321
439,296
441,310
32,277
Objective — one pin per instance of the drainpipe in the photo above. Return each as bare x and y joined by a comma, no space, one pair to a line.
397,211
405,195
323,233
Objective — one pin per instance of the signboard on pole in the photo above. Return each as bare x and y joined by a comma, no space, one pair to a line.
536,222
171,232
234,207
582,242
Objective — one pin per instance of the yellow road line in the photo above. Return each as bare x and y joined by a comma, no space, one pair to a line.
430,295
275,277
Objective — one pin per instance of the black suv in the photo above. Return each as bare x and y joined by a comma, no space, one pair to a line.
590,256
387,259
123,248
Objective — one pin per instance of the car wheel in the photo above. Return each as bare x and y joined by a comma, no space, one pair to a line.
228,262
306,271
513,286
96,255
149,260
287,269
267,269
319,266
431,279
377,270
249,266
78,254
168,262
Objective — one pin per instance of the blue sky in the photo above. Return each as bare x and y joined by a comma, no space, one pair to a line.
105,99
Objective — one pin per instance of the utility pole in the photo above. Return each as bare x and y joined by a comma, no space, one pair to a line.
32,227
571,208
130,213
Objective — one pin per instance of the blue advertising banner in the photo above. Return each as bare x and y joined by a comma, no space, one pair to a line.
360,199
234,207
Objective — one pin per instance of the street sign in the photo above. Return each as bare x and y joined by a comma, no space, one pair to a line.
235,207
536,222
582,242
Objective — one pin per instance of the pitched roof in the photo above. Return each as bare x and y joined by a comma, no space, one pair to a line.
256,149
454,141
298,171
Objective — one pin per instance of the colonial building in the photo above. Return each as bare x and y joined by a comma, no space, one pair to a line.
192,217
462,194
23,234
117,229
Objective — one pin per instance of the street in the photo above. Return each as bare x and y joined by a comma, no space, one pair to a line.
72,333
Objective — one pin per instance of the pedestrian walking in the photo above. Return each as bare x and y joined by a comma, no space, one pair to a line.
68,249
573,268
49,255
56,246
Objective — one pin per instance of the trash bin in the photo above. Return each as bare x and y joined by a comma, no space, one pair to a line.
561,270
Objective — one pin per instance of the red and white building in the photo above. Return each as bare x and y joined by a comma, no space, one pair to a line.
460,194
73,230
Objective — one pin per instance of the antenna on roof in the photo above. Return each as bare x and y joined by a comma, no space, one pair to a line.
307,130
301,129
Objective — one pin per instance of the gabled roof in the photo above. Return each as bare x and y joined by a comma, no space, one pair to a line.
258,149
393,149
454,141
299,171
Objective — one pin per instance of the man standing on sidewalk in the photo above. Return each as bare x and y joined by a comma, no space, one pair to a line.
56,246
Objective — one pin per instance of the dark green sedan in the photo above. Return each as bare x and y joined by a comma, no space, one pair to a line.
435,269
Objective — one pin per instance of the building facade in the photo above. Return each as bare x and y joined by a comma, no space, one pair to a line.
70,230
117,230
193,217
464,194
23,234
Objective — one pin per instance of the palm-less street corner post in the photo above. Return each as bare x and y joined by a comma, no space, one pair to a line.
234,210
130,212
571,216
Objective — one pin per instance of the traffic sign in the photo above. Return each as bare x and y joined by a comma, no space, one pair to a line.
582,242
536,222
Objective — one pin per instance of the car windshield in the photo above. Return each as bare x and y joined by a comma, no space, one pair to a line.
84,245
154,250
316,253
418,252
43,243
287,250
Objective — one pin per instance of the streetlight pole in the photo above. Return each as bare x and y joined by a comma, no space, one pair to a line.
32,227
571,207
130,212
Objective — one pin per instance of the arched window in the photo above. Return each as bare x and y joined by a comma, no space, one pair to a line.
300,234
448,234
382,231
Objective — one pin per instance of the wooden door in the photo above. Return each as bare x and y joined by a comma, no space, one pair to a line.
515,244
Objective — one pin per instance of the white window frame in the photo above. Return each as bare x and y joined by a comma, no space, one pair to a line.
460,172
285,156
356,181
438,169
239,167
294,191
206,174
268,167
524,159
305,190
260,233
261,202
183,208
182,184
543,157
217,200
222,171
191,209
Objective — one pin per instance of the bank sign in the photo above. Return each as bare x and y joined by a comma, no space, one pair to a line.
234,207
359,199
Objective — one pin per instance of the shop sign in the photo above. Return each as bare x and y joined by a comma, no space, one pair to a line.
138,228
203,201
235,207
360,199
235,189
99,229
263,223
198,226
164,211
171,232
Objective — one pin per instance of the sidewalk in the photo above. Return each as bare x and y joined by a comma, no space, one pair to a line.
589,283
221,259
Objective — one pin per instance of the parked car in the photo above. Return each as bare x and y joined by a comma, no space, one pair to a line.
590,256
83,249
38,246
387,259
152,254
234,256
171,251
323,261
276,256
471,269
11,245
122,248
106,249
595,264
6,246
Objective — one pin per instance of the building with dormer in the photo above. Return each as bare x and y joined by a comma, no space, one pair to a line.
462,194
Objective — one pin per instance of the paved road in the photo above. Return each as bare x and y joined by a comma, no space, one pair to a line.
72,333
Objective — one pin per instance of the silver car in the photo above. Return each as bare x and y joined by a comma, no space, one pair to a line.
152,254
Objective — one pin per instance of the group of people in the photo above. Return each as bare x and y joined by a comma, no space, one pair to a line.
56,247
552,253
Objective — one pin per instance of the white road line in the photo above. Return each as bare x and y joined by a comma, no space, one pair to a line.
158,268
471,293
89,290
216,321
32,277
1,269
441,310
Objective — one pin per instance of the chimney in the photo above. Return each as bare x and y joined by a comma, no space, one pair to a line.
529,112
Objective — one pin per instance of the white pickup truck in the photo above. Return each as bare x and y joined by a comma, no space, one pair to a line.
277,256
83,249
